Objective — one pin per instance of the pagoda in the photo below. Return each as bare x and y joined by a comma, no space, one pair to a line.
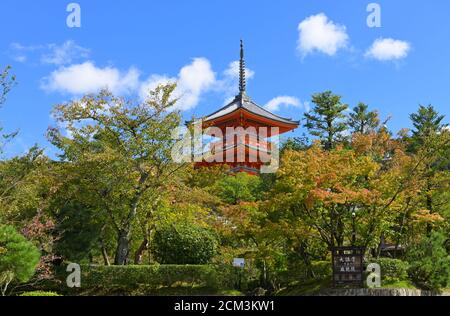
249,151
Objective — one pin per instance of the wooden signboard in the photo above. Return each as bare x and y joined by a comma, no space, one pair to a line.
348,268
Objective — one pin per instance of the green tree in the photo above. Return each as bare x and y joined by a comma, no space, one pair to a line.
363,121
83,233
241,187
118,153
430,263
430,138
326,120
22,185
7,81
18,257
295,143
426,121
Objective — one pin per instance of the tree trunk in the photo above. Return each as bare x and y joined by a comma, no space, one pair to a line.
124,237
105,256
123,249
140,252
430,208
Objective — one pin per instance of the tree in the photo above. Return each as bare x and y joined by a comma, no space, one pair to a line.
320,191
7,81
118,153
430,263
295,143
241,187
362,121
18,257
326,120
426,121
431,138
21,185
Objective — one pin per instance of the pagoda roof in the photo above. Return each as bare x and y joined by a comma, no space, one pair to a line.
243,102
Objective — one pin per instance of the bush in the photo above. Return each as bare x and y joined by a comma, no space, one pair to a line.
321,269
392,270
18,257
184,244
241,187
430,263
40,294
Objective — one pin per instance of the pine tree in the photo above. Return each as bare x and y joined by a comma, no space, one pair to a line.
362,121
427,122
326,120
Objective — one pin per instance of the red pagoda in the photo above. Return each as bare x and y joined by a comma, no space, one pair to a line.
243,129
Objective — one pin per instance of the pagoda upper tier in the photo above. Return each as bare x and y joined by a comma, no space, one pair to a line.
242,111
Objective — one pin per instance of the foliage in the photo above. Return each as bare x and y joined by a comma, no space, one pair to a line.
430,263
326,120
295,143
115,191
362,121
119,153
184,244
7,81
18,259
81,232
241,187
426,121
392,270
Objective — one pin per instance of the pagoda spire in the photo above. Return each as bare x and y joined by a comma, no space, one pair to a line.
242,80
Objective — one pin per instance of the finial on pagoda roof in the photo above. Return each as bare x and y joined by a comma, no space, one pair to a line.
242,80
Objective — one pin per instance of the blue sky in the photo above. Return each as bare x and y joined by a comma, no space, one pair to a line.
293,49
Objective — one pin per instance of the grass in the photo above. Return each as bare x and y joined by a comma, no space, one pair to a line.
398,285
309,287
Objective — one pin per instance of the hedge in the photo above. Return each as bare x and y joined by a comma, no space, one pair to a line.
156,279
39,294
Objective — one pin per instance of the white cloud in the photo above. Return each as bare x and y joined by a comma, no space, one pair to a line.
232,72
20,58
275,104
386,49
193,81
229,82
19,52
318,34
53,54
85,78
64,54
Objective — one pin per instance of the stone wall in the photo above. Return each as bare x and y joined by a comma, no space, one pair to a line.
375,292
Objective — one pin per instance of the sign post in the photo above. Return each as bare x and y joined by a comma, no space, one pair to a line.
348,267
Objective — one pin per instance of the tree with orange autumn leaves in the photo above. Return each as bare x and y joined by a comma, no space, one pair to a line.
375,182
